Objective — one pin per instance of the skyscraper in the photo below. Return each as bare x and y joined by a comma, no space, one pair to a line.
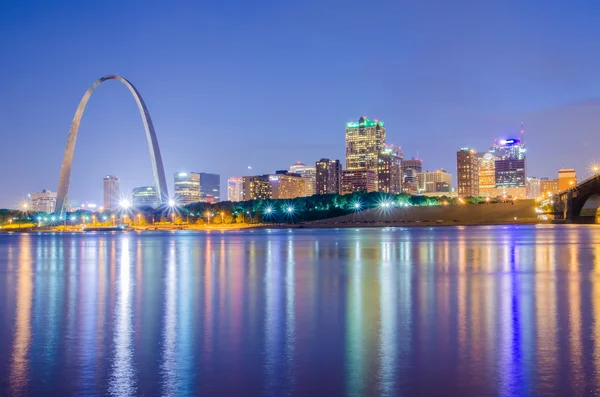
510,172
467,172
111,192
364,141
256,187
145,196
329,175
410,169
359,181
235,189
487,175
210,187
285,185
389,170
533,188
309,173
187,187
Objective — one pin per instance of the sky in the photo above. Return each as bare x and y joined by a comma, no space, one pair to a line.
265,84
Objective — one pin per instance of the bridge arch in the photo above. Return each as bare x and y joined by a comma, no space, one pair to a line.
587,206
157,164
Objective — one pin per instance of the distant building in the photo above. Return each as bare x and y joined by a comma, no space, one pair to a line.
410,169
112,192
235,189
533,188
210,187
548,187
187,187
44,201
510,167
329,176
256,187
467,173
567,178
364,141
358,181
309,173
285,185
145,196
389,170
487,175
430,182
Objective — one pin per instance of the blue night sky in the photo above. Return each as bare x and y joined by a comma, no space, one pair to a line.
233,84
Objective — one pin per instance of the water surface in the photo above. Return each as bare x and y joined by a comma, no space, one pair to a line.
508,310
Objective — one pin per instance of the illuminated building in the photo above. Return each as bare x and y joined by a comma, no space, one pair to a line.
309,173
44,201
548,187
567,178
358,181
187,187
487,175
329,176
256,187
210,187
285,185
410,169
389,169
112,192
533,188
510,171
431,182
364,141
145,196
467,173
235,189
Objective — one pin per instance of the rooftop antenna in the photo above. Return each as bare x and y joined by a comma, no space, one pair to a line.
522,132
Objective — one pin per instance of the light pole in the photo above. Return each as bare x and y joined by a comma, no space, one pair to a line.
113,219
139,216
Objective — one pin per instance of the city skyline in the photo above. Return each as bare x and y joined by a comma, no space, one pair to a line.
430,110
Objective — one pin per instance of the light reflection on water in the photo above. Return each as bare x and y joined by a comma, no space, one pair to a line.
423,311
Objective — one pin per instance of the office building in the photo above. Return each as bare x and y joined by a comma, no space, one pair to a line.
510,167
256,187
430,182
44,201
309,173
410,169
286,185
487,174
187,187
533,188
235,189
364,141
548,187
358,181
112,192
144,196
329,176
567,178
467,173
210,187
389,170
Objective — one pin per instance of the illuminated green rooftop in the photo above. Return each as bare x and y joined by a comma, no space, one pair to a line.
364,122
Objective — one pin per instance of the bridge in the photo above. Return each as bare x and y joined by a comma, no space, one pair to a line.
579,203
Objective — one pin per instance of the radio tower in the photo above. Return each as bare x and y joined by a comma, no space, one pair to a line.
522,132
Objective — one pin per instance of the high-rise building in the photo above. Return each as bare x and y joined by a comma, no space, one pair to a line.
467,172
533,188
145,196
410,169
210,187
111,192
364,141
285,185
389,170
309,173
567,178
430,182
44,201
548,187
235,189
187,187
329,176
510,171
487,175
256,187
358,181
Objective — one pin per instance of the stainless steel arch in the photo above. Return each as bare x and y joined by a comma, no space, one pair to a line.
157,164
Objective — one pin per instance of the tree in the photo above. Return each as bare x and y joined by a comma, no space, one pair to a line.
239,218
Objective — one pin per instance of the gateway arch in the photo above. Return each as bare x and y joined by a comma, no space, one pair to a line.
157,164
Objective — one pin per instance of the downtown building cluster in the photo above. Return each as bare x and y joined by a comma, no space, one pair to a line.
371,165
501,172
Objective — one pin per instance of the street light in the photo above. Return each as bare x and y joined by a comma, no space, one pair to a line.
172,203
139,216
113,218
125,204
